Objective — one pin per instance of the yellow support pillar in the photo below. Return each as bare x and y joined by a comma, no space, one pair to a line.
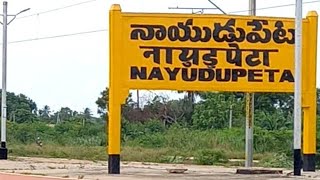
310,95
114,116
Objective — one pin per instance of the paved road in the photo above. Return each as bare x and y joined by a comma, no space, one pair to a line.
12,176
80,169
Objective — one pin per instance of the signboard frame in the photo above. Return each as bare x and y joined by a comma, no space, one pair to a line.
140,44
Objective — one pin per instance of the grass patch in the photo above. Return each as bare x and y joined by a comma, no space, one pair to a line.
145,154
54,151
142,154
211,157
156,144
277,160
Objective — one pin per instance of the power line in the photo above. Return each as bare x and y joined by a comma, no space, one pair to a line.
278,6
101,30
58,36
89,1
57,9
217,7
264,8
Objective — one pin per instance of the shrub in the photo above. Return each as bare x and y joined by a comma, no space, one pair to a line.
278,160
152,140
154,126
210,157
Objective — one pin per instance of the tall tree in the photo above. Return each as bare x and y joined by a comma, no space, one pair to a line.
271,102
20,107
45,112
213,111
102,102
65,113
87,113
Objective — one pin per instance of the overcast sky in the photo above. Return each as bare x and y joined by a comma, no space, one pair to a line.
72,70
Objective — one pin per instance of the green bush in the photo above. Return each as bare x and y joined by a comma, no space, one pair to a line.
22,133
152,140
210,157
87,141
278,160
272,141
177,143
154,126
131,131
213,112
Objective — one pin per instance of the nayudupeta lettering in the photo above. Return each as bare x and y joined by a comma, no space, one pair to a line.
228,32
207,74
190,56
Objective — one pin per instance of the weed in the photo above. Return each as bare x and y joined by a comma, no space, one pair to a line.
211,157
278,160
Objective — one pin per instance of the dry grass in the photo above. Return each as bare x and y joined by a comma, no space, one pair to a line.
55,151
139,154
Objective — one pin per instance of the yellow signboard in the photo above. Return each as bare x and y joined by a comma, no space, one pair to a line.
206,53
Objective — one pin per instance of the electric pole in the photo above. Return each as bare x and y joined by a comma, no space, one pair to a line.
297,92
58,118
138,99
250,108
230,117
3,147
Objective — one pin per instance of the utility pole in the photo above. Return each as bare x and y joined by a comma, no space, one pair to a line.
250,108
248,96
297,92
3,148
230,117
138,99
58,118
5,23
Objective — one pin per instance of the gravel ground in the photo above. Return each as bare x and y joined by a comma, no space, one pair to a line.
98,170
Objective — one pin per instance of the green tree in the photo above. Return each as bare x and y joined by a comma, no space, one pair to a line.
87,113
20,108
277,120
213,111
65,113
102,102
23,115
45,112
271,102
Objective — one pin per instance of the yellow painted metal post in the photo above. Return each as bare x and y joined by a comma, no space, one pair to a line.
114,121
310,94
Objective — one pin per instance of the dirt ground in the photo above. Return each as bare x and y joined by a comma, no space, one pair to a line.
98,170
